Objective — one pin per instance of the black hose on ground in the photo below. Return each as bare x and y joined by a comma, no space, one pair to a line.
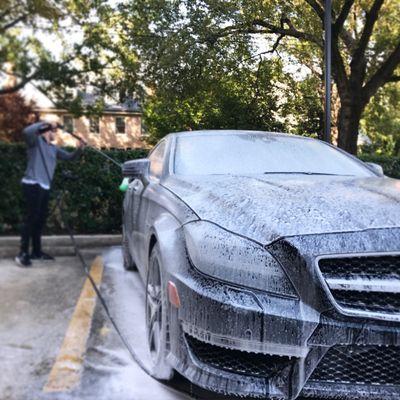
85,267
78,253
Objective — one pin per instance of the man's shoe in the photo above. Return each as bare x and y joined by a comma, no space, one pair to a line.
42,257
23,260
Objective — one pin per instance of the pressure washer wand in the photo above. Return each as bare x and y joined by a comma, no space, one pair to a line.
93,148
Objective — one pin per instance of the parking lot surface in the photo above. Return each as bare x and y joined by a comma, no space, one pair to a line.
37,309
52,346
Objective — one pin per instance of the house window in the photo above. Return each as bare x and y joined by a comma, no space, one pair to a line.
94,124
120,124
68,122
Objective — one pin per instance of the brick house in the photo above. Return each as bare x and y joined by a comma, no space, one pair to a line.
119,126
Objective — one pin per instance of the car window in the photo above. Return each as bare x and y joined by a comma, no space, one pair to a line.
258,153
157,159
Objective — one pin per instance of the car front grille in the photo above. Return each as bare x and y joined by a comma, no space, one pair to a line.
375,302
364,283
366,365
236,361
364,266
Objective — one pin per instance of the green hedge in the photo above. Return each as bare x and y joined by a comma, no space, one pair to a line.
93,202
390,165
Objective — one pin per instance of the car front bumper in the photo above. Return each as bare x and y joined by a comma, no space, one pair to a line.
224,332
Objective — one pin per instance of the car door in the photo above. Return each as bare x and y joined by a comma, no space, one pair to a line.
140,232
133,196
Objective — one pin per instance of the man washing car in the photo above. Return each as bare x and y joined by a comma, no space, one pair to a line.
36,183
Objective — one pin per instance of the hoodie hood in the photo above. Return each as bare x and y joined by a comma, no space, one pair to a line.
267,207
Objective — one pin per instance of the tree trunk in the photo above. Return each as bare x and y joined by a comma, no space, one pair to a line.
349,124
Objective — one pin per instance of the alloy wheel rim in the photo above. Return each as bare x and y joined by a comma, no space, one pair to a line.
154,311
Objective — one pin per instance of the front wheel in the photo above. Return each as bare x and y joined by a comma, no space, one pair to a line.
156,318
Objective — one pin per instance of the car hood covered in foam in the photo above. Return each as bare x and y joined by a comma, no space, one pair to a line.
267,207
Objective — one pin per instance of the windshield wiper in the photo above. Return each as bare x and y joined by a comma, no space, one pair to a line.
303,173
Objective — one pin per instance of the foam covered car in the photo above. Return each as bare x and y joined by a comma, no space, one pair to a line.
271,265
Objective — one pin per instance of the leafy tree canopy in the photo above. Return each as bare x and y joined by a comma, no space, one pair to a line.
182,42
265,99
253,64
381,121
81,56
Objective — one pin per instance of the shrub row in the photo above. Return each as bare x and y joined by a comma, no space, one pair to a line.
93,201
390,164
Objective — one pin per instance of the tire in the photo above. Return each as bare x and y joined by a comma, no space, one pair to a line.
129,265
157,318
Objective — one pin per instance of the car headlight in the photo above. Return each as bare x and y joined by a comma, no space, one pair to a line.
232,258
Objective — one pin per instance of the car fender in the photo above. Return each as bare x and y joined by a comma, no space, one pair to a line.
168,233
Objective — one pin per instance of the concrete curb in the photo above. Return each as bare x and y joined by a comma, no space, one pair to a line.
61,245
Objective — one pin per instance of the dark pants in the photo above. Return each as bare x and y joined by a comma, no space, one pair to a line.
36,202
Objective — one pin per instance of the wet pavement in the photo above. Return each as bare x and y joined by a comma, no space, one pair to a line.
36,306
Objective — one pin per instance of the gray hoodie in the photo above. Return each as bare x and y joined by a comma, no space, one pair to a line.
41,169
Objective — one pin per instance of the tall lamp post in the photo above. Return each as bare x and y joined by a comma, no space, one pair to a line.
328,50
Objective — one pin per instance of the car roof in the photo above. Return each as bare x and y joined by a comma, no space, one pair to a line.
227,132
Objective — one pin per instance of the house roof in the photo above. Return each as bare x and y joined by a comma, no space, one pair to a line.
43,102
31,93
129,105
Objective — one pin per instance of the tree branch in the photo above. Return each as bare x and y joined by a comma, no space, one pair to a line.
292,31
317,8
348,40
14,22
272,50
276,44
268,28
340,20
5,13
394,78
383,75
339,70
18,86
370,21
38,74
338,26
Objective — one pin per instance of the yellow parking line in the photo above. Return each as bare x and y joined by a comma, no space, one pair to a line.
66,370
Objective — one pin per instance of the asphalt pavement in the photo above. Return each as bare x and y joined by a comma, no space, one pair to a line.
38,307
57,343
35,307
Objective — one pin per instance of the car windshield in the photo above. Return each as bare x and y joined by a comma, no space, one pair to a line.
257,153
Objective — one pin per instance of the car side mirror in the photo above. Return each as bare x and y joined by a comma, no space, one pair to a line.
136,169
376,168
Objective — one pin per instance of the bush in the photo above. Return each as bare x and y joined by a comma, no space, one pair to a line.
92,203
390,164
